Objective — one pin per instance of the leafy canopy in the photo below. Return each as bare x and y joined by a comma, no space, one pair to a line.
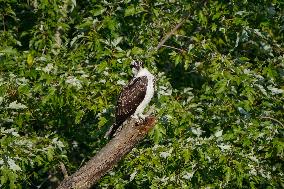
219,94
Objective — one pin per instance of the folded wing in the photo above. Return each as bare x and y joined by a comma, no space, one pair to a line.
130,98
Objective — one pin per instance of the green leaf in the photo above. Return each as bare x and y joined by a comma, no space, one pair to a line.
79,116
130,10
50,154
137,51
98,10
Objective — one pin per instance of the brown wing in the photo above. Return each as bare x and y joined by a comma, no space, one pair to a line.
130,98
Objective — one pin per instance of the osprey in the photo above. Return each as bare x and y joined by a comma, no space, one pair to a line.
134,97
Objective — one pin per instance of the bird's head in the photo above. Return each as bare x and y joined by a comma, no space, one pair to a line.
136,66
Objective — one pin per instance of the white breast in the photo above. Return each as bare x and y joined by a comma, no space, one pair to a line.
149,92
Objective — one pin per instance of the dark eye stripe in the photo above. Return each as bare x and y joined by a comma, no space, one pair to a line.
136,65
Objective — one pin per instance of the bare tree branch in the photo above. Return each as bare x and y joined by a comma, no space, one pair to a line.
171,32
273,119
173,48
131,133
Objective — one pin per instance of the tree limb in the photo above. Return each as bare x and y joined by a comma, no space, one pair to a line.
181,50
273,119
130,135
171,32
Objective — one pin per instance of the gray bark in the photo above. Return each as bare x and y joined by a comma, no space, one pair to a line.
131,133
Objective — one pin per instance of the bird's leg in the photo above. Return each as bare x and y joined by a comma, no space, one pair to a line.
141,117
135,116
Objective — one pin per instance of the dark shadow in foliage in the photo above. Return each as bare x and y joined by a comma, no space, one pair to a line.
26,20
179,77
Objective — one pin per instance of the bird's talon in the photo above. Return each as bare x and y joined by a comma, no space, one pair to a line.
134,117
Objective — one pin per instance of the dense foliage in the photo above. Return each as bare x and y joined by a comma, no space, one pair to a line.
219,95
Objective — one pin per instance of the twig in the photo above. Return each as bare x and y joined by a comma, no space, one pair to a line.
44,181
271,118
173,48
171,32
108,156
82,162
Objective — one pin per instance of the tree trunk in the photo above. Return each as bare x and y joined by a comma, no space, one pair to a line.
131,133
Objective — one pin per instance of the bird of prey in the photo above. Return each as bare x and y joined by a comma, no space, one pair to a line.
134,97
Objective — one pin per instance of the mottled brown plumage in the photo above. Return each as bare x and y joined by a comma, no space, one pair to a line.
128,101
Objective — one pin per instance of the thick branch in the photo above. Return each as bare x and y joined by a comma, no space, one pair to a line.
108,156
